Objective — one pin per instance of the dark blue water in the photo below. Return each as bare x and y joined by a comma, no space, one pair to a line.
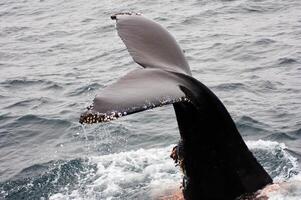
55,56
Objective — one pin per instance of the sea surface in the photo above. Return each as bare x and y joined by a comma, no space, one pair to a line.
56,55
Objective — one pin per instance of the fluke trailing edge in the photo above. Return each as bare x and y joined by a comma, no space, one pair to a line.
216,162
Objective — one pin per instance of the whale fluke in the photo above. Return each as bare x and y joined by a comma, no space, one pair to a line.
138,90
215,160
150,45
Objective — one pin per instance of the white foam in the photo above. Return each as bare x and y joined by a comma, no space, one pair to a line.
287,182
130,172
265,144
290,190
151,173
275,159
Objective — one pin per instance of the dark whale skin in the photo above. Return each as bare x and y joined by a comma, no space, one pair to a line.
217,162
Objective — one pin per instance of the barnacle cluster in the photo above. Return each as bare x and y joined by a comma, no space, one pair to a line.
96,117
171,101
124,13
91,116
177,154
160,103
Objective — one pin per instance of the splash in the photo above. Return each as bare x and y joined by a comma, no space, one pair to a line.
275,158
282,166
290,190
151,173
136,174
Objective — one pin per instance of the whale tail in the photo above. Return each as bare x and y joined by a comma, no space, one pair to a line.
216,162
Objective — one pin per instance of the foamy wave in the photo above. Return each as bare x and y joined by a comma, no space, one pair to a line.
282,166
149,173
290,190
275,158
265,144
130,175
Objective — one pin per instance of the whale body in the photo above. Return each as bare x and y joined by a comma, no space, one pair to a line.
213,156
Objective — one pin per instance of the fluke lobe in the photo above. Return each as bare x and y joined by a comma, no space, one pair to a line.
215,160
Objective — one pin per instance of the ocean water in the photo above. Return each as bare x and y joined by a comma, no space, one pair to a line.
55,56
